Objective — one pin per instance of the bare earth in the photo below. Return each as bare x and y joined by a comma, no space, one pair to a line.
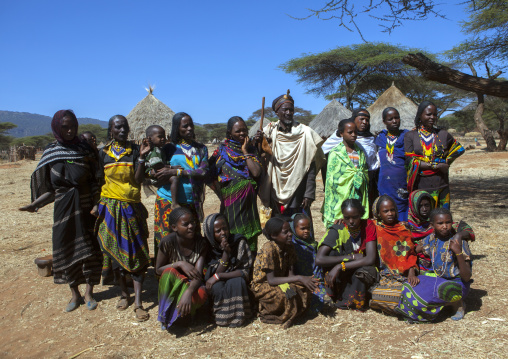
34,325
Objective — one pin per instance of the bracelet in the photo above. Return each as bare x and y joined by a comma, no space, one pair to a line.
458,254
141,160
353,256
343,266
224,264
216,276
179,172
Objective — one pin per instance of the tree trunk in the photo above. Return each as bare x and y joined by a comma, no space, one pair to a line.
482,127
503,136
445,75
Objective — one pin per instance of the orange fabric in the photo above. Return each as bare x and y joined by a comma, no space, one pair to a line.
396,247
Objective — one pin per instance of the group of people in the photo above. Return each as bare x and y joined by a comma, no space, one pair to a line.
390,238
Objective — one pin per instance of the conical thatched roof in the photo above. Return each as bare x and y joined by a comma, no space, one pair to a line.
328,120
392,97
149,111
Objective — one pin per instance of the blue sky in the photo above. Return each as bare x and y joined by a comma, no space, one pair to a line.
212,59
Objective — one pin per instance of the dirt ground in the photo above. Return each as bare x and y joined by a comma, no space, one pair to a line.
34,324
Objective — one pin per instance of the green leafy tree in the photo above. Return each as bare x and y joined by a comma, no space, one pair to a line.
5,139
202,135
100,132
487,28
300,115
353,73
358,74
217,131
40,141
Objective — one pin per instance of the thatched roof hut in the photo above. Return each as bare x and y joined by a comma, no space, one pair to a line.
392,97
255,127
149,111
328,120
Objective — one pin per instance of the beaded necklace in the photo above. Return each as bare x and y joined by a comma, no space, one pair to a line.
428,141
390,146
117,150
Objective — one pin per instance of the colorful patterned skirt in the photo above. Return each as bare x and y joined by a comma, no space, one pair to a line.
349,291
441,197
239,205
172,285
424,301
123,235
161,227
276,308
231,303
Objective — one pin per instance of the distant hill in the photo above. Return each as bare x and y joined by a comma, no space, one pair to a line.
31,124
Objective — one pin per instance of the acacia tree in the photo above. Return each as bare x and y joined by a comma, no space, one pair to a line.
300,115
359,74
487,28
5,139
340,71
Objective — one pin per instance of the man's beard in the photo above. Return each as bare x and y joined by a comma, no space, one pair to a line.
287,121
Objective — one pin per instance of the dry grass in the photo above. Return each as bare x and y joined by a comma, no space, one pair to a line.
34,324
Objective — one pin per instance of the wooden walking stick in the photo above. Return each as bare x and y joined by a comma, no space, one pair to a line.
264,144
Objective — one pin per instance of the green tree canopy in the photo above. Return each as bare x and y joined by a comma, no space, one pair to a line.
5,139
487,28
100,132
301,115
40,141
358,74
202,135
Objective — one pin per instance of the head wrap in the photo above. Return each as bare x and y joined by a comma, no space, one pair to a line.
233,239
377,203
208,229
292,221
355,114
415,198
56,126
282,99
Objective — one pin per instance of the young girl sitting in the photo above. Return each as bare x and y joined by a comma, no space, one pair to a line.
229,269
306,250
420,205
448,282
180,263
347,253
282,295
398,260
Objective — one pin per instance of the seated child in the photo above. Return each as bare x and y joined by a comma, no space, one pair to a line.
449,280
229,270
306,249
156,159
394,242
282,295
397,256
180,261
347,254
420,205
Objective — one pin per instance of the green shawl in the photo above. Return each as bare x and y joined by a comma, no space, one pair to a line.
344,181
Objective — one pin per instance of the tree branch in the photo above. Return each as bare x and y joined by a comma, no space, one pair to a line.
436,72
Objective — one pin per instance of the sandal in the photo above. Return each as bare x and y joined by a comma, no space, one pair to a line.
141,314
73,305
123,303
